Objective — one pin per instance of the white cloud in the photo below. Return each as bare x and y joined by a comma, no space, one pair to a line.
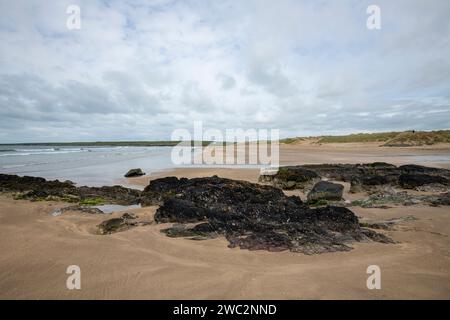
140,69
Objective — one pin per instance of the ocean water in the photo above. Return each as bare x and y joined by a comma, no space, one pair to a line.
91,166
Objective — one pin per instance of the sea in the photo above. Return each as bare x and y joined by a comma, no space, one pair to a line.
91,166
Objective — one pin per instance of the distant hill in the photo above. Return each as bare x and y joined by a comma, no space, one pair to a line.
386,139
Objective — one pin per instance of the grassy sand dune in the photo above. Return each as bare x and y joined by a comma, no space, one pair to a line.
386,139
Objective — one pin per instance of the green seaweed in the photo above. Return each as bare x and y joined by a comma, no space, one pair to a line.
92,202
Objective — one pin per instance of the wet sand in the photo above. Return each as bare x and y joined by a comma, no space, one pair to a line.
142,263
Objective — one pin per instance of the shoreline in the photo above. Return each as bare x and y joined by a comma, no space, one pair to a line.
303,153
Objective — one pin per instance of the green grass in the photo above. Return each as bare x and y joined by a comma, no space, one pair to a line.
419,138
406,138
359,137
318,203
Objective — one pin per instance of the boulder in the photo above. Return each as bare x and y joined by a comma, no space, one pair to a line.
134,173
324,190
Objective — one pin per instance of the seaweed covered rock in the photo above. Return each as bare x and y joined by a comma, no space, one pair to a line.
324,190
110,194
125,222
370,182
34,188
414,180
291,177
252,216
348,172
417,169
364,177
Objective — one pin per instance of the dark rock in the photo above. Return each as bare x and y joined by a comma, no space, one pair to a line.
110,194
379,165
39,186
364,183
324,190
112,225
416,169
349,172
155,192
411,181
34,188
372,176
291,177
252,216
120,224
202,231
134,173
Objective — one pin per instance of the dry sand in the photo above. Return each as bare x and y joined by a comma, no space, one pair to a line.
36,248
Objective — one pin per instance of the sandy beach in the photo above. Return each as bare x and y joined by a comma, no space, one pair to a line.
142,263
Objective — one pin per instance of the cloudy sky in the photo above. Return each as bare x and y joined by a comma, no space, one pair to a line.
140,69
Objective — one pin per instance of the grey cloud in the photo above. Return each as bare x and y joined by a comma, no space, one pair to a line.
138,71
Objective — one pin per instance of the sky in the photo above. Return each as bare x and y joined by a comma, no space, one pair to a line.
138,70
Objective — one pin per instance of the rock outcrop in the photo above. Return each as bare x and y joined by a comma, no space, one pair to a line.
34,188
415,180
363,177
252,216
